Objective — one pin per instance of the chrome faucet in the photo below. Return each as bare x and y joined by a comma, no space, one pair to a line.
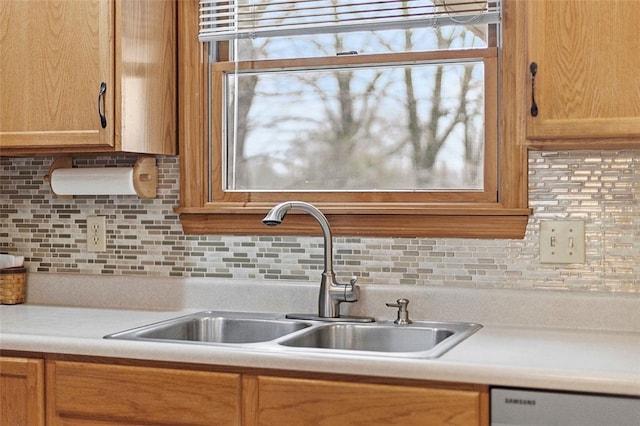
332,293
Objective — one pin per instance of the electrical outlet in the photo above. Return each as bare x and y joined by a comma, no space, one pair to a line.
96,233
562,241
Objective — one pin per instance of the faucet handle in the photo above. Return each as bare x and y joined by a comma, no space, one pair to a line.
403,313
345,292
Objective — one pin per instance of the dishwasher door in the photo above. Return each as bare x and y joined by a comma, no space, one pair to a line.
517,407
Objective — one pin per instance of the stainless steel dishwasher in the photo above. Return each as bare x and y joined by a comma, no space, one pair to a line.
517,407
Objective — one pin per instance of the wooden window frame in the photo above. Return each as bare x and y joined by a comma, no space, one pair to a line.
236,213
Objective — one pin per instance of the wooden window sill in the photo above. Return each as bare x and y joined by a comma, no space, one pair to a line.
442,222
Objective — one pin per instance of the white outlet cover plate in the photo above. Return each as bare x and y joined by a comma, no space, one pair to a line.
96,234
562,241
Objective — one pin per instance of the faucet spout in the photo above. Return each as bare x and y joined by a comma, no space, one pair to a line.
332,293
277,214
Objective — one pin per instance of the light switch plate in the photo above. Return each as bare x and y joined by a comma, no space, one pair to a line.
562,241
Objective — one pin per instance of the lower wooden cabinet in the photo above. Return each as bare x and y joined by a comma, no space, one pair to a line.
21,391
86,393
290,401
80,393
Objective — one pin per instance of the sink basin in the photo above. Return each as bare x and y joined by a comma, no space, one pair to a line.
274,332
214,327
422,339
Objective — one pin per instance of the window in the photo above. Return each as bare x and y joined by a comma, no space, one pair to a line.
376,111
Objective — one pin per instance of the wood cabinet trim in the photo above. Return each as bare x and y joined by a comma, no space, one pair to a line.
252,371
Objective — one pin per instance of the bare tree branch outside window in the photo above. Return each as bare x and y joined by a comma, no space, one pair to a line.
386,126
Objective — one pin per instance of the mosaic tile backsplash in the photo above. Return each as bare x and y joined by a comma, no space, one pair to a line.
144,237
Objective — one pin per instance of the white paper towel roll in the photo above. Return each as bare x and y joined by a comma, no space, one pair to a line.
93,181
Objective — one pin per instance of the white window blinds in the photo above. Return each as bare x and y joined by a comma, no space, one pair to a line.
232,19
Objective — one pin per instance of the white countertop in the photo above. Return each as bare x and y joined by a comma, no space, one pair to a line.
519,356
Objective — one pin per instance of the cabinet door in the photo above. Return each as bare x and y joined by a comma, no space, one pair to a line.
299,402
21,391
81,393
55,55
586,85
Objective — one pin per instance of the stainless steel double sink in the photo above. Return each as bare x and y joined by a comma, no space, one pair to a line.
421,339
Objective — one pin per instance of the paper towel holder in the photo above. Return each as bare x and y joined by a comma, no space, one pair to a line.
144,176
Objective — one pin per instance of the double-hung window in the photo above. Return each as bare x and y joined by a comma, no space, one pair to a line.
370,109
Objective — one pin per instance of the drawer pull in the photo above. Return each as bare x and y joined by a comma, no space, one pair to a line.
533,68
103,119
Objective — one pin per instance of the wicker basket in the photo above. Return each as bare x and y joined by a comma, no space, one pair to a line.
13,282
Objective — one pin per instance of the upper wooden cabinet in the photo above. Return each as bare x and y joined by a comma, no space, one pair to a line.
88,76
586,85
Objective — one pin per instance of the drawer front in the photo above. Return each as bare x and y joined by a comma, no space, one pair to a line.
107,394
287,401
